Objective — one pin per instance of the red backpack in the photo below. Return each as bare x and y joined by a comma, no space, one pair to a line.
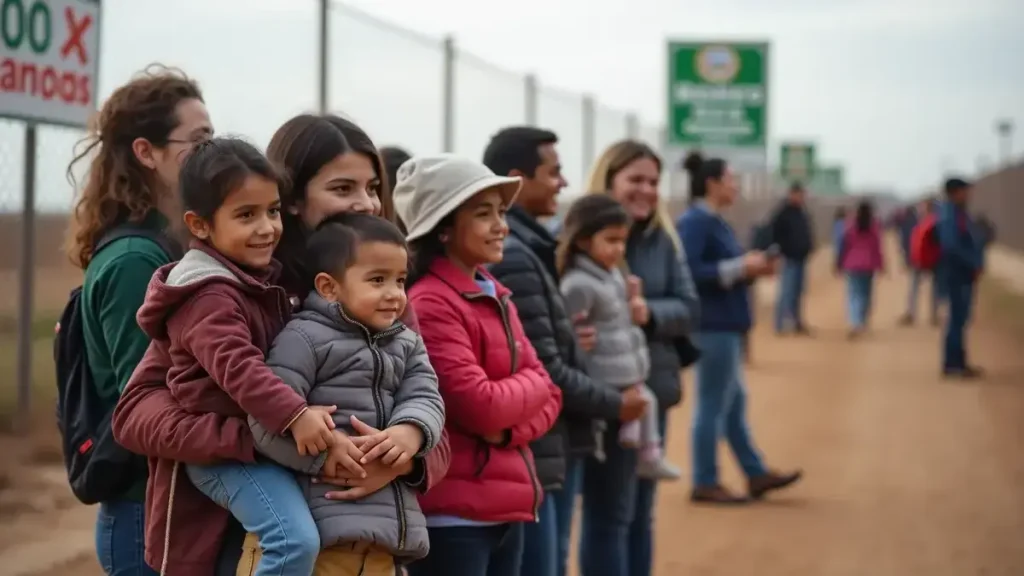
925,250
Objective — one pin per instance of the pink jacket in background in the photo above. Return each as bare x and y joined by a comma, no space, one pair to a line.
862,250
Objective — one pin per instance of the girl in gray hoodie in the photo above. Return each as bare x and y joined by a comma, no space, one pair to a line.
590,259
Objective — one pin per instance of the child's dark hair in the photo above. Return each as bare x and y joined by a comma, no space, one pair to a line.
331,248
586,217
216,168
426,249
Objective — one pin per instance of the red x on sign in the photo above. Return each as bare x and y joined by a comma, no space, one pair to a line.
76,35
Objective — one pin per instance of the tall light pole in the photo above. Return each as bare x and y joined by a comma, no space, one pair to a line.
1004,130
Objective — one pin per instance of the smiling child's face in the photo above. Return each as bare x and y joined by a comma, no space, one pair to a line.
372,289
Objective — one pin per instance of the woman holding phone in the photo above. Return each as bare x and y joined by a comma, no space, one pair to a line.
722,272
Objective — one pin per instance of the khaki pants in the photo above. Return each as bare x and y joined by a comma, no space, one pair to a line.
355,559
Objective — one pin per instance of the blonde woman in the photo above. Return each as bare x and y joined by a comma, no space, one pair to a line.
616,539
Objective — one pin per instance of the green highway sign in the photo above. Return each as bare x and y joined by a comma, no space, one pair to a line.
796,161
829,180
718,95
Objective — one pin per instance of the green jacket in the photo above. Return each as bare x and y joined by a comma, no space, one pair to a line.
112,292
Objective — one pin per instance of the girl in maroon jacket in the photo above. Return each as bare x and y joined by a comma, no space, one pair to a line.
217,311
497,394
333,168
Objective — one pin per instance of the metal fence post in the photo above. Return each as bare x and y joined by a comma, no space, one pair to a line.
633,127
26,273
325,8
530,101
589,134
448,97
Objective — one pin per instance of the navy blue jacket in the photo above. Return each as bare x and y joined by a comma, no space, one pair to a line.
713,254
962,250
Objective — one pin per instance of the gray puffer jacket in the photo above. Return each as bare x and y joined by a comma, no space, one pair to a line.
383,379
620,357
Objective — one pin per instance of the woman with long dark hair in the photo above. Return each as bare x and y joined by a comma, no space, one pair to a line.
859,256
333,168
721,270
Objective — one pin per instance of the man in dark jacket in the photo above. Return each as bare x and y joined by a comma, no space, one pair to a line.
791,230
960,265
528,269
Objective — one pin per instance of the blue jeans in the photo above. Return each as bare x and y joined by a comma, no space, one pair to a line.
609,506
791,291
473,551
721,408
540,541
120,538
267,501
916,276
858,297
565,506
641,533
960,296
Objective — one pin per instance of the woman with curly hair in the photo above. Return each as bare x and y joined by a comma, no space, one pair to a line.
119,238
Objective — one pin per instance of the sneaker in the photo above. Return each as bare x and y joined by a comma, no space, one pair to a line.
661,470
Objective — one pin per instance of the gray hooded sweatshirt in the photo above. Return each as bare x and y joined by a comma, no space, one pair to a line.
382,378
620,357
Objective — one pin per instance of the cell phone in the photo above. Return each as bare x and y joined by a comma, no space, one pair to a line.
773,251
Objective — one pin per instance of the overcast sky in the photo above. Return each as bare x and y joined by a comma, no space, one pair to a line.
895,90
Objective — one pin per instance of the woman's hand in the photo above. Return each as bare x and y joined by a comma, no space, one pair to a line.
378,475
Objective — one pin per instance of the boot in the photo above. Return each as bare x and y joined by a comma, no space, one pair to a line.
771,481
716,494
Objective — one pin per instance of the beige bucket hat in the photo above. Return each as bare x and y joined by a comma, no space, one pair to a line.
428,188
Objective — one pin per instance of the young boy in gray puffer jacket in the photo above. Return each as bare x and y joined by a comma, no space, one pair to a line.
590,253
346,348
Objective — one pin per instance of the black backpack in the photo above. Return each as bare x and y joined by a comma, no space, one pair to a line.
99,469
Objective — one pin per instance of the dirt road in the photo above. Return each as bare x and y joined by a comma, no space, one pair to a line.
906,474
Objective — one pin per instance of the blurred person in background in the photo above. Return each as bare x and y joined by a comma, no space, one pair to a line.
859,256
838,226
616,537
791,230
528,270
393,157
721,270
135,149
913,216
760,239
333,168
960,265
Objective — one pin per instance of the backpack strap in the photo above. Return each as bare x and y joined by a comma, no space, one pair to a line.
132,230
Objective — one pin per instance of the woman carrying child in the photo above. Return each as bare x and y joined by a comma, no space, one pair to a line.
591,249
498,396
333,168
